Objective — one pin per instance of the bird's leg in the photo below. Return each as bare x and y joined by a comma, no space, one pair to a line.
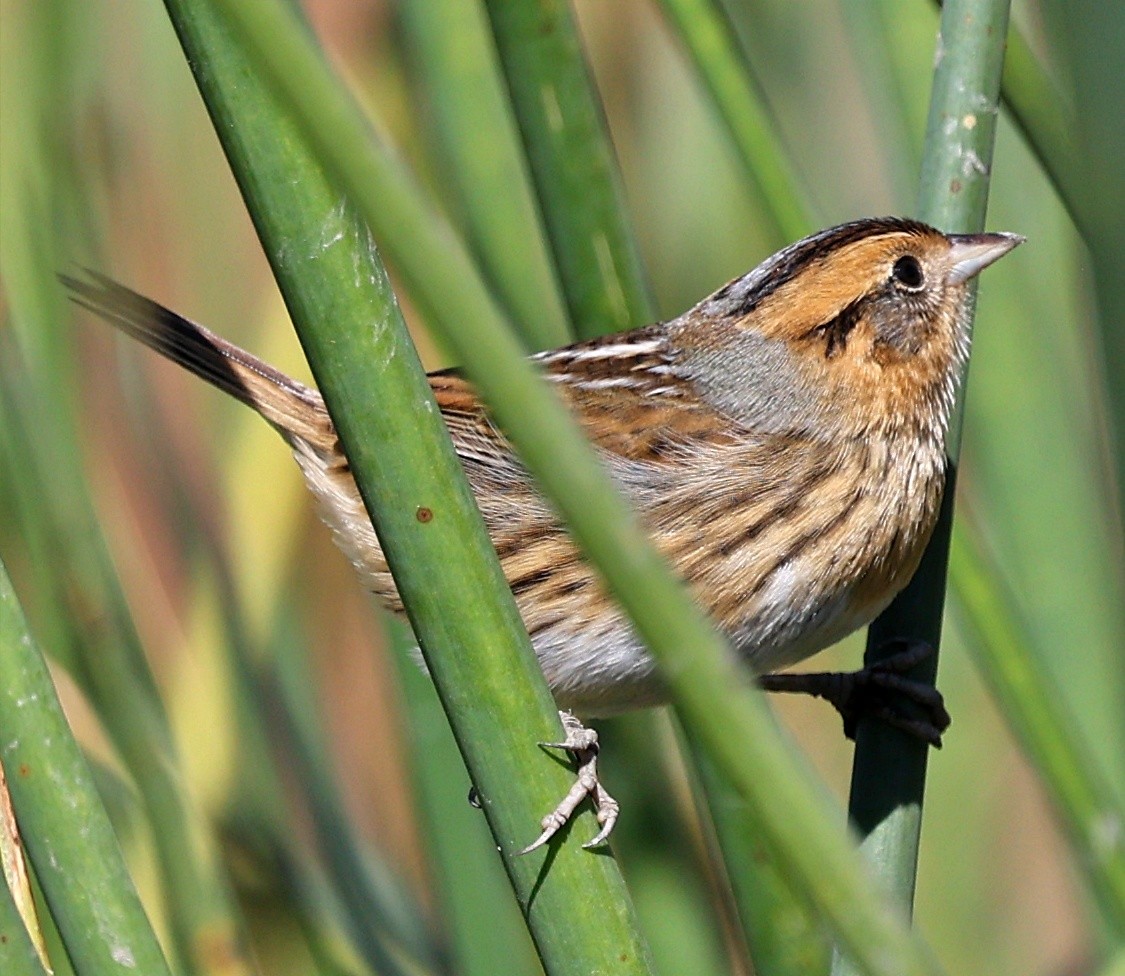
877,690
582,743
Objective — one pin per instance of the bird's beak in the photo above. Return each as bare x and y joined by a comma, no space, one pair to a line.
970,254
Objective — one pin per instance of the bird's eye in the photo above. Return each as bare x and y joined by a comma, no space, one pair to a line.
908,272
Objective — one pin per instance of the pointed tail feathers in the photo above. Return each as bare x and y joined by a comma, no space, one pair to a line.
296,411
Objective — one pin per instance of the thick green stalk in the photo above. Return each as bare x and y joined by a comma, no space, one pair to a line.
104,654
781,936
1042,115
572,164
888,779
714,695
481,161
68,835
706,32
446,570
1091,815
778,930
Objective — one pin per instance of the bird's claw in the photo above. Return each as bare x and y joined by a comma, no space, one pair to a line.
877,690
583,744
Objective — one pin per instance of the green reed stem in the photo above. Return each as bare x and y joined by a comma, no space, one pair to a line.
100,646
482,163
485,933
68,836
706,682
709,38
1091,816
888,779
784,938
361,354
572,164
1040,112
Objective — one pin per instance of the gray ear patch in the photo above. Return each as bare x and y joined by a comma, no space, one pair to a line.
764,392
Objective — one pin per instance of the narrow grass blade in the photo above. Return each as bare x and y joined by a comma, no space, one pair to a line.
69,838
1038,109
1092,37
704,30
572,164
386,926
1115,967
481,160
875,34
781,933
1091,815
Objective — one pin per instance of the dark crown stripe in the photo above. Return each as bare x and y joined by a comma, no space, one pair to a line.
791,261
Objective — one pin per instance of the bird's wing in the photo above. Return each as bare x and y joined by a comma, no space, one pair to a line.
622,390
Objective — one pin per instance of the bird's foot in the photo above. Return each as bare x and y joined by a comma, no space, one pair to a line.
582,743
881,690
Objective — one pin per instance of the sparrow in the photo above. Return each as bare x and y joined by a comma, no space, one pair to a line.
783,442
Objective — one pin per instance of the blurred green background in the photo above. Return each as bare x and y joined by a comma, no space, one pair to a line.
108,159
